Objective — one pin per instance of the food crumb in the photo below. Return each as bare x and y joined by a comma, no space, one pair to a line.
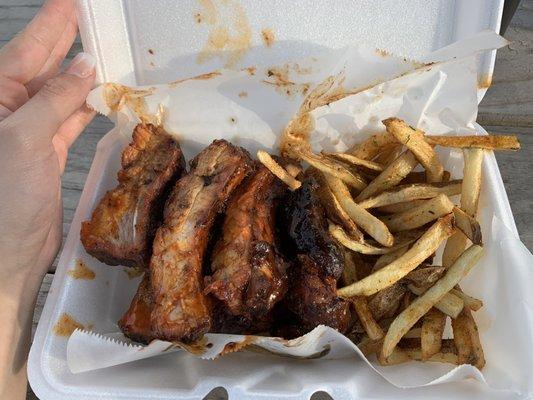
152,64
243,94
251,70
81,271
268,37
151,51
233,120
133,272
198,18
66,325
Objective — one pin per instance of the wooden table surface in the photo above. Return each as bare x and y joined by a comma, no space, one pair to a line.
506,108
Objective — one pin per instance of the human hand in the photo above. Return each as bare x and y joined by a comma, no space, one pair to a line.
42,112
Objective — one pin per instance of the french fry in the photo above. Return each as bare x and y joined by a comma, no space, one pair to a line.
405,193
468,225
446,175
488,142
293,170
358,162
414,333
386,302
433,324
420,306
423,277
462,338
477,358
449,304
267,160
400,207
334,168
471,302
369,346
391,176
387,258
364,248
386,276
372,329
471,188
369,148
415,177
429,211
414,140
349,272
370,224
389,154
332,206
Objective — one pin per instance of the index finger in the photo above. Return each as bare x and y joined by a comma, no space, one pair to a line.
24,56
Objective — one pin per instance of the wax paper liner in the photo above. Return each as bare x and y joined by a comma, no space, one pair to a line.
252,107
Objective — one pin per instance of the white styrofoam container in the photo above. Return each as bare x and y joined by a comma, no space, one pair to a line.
142,42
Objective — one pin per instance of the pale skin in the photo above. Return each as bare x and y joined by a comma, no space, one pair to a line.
42,112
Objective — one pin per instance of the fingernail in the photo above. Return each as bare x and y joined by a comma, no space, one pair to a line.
82,65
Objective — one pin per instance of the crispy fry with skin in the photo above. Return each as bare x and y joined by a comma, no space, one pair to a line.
391,176
421,249
386,302
488,142
370,224
471,302
454,246
372,328
468,225
449,304
387,258
429,211
404,193
414,333
356,161
415,141
477,357
400,207
370,148
423,277
349,273
433,324
389,154
420,306
461,338
267,160
334,168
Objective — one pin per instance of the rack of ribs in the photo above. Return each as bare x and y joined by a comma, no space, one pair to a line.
181,311
123,224
312,297
249,275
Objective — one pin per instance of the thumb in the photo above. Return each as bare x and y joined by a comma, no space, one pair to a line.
57,100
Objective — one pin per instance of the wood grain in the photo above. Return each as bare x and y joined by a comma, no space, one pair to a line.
507,108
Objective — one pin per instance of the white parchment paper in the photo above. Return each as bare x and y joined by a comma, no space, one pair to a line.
251,108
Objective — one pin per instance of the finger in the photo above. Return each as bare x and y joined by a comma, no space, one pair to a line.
58,99
25,55
12,94
69,132
52,66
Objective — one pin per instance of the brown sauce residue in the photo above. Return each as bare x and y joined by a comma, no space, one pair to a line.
66,325
243,94
268,37
232,347
197,348
382,53
81,271
484,81
117,96
151,51
229,42
133,272
202,77
210,13
279,78
251,70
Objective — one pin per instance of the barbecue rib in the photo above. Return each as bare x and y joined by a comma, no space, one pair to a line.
248,273
122,225
312,297
181,310
135,323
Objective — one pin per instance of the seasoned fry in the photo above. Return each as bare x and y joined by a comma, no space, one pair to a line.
293,170
471,302
488,142
477,357
360,247
400,207
369,346
411,192
334,168
468,225
386,302
461,338
414,140
449,304
372,329
391,176
429,211
424,277
421,249
370,224
414,333
469,199
349,273
332,206
267,160
370,148
420,306
389,154
387,258
358,162
433,324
